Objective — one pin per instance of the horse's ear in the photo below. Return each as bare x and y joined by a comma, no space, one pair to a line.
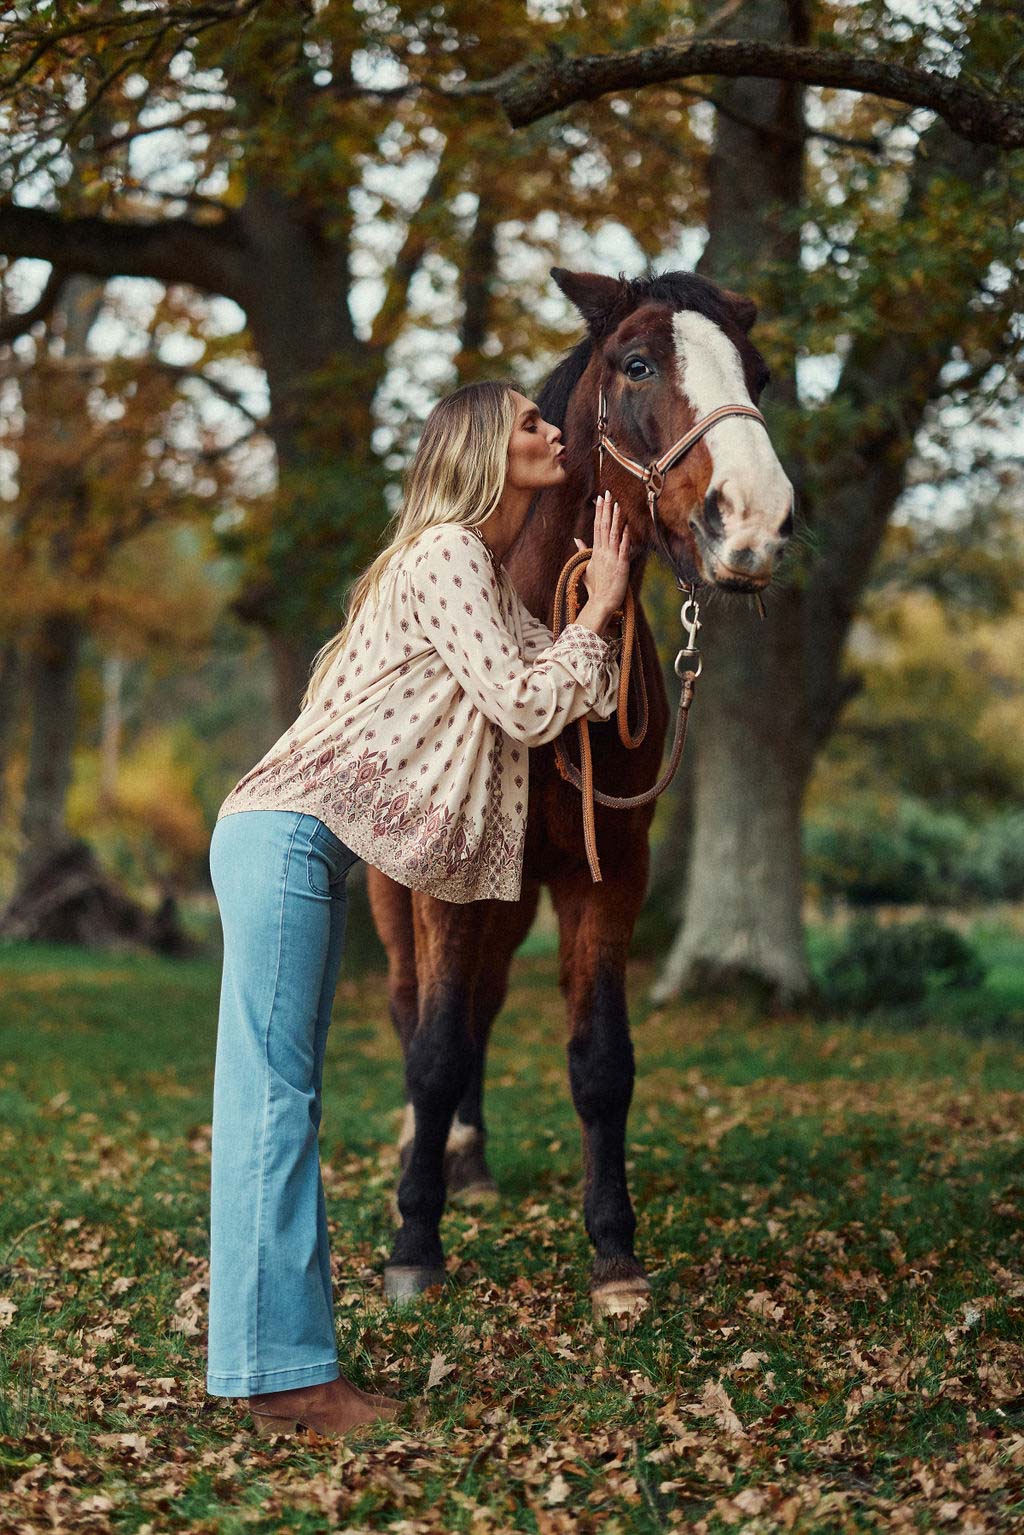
594,296
744,309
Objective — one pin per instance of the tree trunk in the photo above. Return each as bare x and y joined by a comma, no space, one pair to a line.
479,269
329,508
742,921
10,692
50,692
55,645
771,694
741,903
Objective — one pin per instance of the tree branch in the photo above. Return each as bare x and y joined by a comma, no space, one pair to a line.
208,257
422,226
535,89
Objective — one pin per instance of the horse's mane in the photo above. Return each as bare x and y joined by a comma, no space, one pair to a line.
680,290
556,391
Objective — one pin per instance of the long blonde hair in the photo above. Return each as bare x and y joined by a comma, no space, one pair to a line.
457,475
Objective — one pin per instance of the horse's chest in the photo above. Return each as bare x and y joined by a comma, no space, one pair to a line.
554,826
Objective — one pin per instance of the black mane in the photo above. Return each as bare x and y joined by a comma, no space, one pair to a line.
556,391
679,290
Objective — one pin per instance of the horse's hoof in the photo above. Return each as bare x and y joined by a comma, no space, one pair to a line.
406,1282
621,1302
480,1195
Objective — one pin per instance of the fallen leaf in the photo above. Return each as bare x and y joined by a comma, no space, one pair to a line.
439,1368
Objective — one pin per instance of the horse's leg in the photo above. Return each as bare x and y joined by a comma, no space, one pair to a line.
467,1174
468,1178
391,906
438,1067
596,923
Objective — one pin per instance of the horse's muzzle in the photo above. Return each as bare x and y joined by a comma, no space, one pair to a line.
736,553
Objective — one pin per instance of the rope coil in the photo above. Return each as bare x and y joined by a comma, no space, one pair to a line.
565,608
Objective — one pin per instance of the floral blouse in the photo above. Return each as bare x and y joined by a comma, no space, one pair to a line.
414,749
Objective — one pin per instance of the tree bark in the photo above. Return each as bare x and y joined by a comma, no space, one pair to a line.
771,693
111,728
742,892
535,89
55,646
479,269
50,695
10,693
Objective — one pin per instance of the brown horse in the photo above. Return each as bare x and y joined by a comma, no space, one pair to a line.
660,355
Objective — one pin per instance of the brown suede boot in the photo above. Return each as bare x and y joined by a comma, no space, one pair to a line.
334,1407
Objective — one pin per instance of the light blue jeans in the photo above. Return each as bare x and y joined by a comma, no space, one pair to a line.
279,877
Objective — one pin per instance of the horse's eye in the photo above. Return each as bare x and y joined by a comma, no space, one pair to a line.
636,368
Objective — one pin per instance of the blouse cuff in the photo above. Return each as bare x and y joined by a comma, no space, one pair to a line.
577,637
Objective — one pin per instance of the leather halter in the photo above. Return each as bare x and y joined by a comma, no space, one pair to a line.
653,474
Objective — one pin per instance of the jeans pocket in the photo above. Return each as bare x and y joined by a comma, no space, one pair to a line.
318,871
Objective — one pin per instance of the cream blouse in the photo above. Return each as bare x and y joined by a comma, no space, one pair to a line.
413,750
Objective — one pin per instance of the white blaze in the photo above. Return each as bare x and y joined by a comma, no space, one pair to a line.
745,471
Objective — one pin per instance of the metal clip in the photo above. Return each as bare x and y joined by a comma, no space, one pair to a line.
689,660
689,617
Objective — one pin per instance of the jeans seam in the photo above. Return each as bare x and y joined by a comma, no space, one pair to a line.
266,1108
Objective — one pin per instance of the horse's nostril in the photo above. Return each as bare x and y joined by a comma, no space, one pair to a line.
712,515
745,559
787,527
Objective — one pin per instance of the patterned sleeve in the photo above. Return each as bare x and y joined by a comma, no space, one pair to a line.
454,592
537,637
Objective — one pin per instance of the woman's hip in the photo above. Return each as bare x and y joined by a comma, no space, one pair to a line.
259,858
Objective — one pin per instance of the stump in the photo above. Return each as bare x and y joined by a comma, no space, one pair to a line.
70,899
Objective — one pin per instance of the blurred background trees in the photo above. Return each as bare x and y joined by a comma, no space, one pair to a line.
244,255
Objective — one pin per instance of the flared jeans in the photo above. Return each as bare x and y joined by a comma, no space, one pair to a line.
279,878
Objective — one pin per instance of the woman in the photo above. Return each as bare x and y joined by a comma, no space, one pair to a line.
406,752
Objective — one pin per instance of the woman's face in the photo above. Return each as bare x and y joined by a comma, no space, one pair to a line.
535,452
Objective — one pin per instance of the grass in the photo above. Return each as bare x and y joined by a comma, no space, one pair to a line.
830,1213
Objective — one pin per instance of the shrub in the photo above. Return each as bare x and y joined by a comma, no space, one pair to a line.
914,854
994,867
897,966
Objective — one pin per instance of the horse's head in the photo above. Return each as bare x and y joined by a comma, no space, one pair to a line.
663,353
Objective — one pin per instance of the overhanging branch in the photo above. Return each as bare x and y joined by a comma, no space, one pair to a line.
211,258
539,87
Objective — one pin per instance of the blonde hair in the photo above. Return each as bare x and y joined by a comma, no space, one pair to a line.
457,475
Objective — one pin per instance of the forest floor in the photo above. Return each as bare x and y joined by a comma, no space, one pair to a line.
830,1212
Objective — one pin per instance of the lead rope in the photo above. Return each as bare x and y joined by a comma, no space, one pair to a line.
687,668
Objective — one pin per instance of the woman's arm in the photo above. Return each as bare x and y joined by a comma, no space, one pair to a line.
453,589
537,637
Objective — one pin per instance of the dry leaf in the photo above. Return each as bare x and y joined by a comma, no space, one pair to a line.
439,1368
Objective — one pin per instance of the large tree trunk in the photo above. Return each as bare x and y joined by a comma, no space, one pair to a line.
55,421
50,695
742,896
771,693
742,914
10,692
322,378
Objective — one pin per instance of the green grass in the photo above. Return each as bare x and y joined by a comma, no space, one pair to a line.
830,1213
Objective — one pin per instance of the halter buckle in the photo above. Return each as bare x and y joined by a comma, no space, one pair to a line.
654,479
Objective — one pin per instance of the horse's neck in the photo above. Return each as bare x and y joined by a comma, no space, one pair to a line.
545,545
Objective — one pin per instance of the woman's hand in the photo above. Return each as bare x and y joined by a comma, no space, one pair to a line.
606,574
